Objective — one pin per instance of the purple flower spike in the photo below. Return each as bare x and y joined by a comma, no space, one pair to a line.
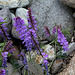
45,62
25,34
62,40
47,31
2,72
23,59
54,29
8,48
3,30
4,55
31,20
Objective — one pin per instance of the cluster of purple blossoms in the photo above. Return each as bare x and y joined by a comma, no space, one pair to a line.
31,20
47,31
3,30
25,33
28,36
54,29
2,72
61,38
8,48
45,62
4,55
23,59
28,39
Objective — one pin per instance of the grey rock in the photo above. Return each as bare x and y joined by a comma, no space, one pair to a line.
13,16
71,48
70,3
49,12
69,68
5,13
22,12
13,3
57,66
10,70
33,70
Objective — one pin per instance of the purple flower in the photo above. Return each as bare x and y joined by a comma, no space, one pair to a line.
3,30
46,66
45,62
44,55
23,59
31,20
2,72
25,34
47,31
54,29
8,46
62,40
4,55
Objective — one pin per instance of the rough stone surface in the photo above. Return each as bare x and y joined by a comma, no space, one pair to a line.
70,70
5,13
49,12
57,66
71,48
33,70
10,70
13,16
70,3
13,3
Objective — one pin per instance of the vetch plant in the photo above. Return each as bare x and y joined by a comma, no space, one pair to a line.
8,48
61,38
3,29
28,35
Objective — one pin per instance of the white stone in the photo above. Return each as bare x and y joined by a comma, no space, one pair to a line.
21,12
13,16
48,49
13,3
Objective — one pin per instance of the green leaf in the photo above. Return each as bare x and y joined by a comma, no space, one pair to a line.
14,63
2,44
66,31
5,18
3,22
41,45
0,63
9,54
